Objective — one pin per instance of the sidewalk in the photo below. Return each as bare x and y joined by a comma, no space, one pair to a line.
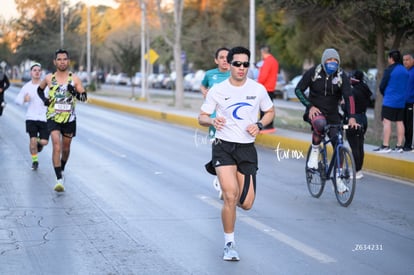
398,165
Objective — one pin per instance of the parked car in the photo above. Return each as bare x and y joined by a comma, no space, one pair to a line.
151,79
196,82
280,85
188,79
26,76
83,76
110,78
137,79
158,81
169,81
122,79
289,89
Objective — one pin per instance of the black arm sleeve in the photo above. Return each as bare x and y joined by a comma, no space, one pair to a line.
41,94
300,89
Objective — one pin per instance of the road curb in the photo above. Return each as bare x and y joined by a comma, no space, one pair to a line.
374,162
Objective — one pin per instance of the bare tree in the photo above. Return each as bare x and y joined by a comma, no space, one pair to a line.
171,33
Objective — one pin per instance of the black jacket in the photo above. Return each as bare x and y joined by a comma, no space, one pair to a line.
325,91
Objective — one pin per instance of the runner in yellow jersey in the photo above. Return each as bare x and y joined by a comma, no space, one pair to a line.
65,89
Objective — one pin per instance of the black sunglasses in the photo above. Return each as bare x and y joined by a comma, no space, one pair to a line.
239,63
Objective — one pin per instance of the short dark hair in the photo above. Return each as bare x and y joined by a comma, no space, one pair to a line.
60,51
395,55
265,48
237,50
219,50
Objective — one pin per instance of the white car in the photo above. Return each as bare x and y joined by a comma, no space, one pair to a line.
196,81
289,89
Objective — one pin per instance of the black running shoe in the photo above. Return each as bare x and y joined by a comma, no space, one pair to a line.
35,165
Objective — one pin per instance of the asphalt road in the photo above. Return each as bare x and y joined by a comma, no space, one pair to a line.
138,201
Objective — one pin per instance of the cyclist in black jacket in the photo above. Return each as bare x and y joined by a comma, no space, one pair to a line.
327,84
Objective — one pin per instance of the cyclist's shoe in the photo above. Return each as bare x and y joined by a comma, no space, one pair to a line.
313,158
230,254
340,186
399,149
217,186
59,186
383,149
35,165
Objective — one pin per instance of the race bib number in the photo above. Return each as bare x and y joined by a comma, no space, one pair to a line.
61,108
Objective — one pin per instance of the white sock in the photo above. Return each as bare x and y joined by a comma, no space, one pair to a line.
228,237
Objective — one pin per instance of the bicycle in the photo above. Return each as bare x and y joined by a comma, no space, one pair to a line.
341,167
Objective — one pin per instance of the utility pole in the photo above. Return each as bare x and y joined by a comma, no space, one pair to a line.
88,45
143,48
61,25
252,37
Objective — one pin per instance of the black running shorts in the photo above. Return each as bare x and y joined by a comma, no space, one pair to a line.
33,127
392,114
68,128
243,155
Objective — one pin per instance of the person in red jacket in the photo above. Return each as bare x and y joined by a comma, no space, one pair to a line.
268,78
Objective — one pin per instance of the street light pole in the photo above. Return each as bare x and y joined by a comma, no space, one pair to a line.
88,45
143,47
61,24
252,37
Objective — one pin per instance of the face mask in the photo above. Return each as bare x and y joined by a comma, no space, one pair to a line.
331,67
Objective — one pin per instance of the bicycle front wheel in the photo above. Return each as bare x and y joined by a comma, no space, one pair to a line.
315,178
344,177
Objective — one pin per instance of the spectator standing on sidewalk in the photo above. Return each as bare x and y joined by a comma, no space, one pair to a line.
36,125
237,102
4,85
408,60
356,136
393,87
268,78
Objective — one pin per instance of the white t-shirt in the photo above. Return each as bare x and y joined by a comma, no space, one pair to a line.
36,109
240,107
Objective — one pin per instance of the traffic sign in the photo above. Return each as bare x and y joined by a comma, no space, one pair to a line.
151,56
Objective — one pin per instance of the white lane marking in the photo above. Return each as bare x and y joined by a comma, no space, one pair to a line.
276,234
107,149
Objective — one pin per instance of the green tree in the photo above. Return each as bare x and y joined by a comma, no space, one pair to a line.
363,31
39,30
128,56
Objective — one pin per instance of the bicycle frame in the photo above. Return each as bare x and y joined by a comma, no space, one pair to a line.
327,140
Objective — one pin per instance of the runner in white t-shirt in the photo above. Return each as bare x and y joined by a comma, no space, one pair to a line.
237,101
36,125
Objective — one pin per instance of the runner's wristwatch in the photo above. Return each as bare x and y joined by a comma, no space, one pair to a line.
259,125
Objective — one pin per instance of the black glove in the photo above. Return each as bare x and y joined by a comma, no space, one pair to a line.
71,90
46,101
